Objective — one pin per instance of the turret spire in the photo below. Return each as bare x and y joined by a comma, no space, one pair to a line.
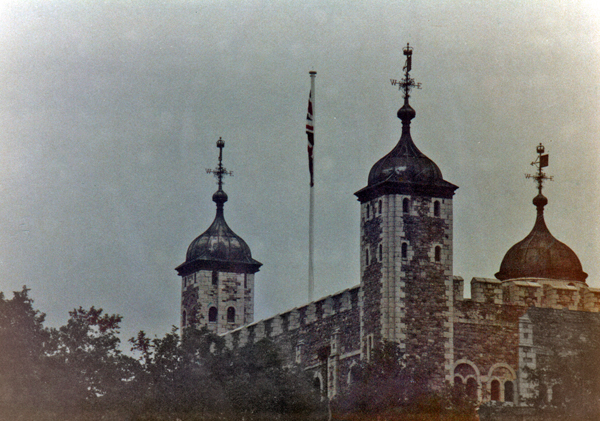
542,161
540,255
220,197
406,113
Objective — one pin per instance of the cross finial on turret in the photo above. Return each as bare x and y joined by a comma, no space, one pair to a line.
542,161
220,171
407,83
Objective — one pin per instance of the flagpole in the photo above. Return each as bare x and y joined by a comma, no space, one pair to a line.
311,216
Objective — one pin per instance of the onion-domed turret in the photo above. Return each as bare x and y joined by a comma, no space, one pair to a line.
405,169
406,163
540,255
219,248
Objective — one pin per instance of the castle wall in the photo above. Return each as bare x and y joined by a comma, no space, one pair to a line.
551,332
486,338
323,337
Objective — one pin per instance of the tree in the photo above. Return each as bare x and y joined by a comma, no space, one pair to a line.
85,363
258,381
22,345
390,381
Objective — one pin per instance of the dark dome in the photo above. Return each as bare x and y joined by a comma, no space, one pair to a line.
219,242
405,169
540,255
219,248
405,163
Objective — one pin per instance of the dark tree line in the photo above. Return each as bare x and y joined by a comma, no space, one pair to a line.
79,368
392,383
60,373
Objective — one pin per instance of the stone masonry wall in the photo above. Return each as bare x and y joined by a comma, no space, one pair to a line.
486,337
428,286
200,293
323,337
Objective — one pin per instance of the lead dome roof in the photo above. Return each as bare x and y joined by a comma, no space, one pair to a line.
540,255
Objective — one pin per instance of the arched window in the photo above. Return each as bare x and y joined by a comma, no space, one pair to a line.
317,384
438,253
472,388
367,257
368,211
509,391
380,207
405,205
380,252
231,315
459,387
436,208
355,374
212,314
495,392
184,319
215,278
404,250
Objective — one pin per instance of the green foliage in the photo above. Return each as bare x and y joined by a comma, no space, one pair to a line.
77,371
84,362
22,345
198,374
391,382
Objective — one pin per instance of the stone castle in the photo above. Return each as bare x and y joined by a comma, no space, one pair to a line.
407,292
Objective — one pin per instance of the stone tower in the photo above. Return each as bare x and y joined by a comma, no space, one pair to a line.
406,251
217,277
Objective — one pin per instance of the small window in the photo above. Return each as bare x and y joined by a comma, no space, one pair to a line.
231,315
380,253
380,207
404,250
495,392
509,391
436,208
368,211
215,278
317,384
405,206
212,315
472,388
184,319
367,257
245,281
438,253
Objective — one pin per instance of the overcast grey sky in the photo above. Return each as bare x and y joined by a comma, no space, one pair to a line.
110,112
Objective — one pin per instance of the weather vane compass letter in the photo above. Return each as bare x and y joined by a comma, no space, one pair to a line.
542,161
220,171
407,83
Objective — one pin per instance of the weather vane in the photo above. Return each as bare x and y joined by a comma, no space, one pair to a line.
407,83
542,161
220,171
